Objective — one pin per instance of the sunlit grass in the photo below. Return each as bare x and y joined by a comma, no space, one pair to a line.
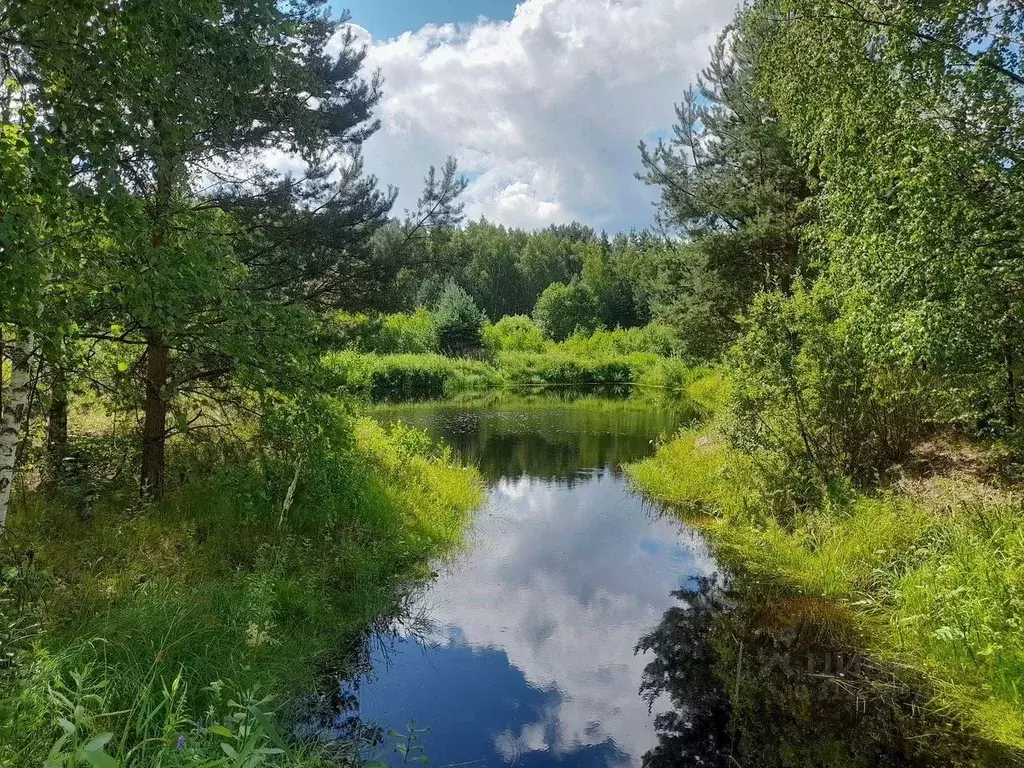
217,589
393,378
939,587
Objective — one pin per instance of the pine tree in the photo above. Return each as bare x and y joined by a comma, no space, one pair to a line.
731,189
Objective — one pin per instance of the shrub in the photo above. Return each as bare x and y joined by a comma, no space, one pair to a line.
414,333
809,406
565,309
513,333
554,368
407,377
653,339
459,321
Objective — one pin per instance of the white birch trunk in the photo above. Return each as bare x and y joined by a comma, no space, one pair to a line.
15,414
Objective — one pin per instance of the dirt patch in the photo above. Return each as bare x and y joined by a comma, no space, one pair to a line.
944,471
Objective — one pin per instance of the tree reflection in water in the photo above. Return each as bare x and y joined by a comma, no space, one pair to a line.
763,680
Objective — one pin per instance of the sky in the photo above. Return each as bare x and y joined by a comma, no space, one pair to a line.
390,18
542,102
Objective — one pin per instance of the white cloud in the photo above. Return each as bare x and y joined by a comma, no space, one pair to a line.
544,111
564,582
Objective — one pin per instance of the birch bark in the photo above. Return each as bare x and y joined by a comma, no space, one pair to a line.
15,414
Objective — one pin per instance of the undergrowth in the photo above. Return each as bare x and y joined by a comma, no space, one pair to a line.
937,579
383,378
153,635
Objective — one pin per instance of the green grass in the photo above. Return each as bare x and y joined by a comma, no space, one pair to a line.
395,378
937,579
167,615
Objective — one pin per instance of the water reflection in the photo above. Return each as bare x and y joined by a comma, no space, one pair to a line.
761,678
551,436
573,598
530,655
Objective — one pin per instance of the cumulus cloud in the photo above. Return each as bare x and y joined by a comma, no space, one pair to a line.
544,111
564,581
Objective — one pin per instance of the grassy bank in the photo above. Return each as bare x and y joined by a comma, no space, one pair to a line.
429,376
144,636
932,564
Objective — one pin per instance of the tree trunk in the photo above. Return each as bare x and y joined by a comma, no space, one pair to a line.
57,420
154,428
1011,384
15,416
3,354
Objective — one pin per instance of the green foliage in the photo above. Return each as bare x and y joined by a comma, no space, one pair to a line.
393,334
562,369
733,188
458,320
808,403
933,577
513,333
653,339
408,377
165,621
917,209
563,310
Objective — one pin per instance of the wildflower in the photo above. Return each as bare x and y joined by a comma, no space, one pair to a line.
180,747
257,635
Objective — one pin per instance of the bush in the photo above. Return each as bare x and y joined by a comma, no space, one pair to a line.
809,406
562,310
653,339
554,368
513,333
459,321
383,378
414,333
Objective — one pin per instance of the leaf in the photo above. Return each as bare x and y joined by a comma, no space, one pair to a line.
97,743
268,726
220,730
99,759
229,750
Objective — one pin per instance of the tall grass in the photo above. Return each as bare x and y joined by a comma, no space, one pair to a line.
161,625
936,581
396,378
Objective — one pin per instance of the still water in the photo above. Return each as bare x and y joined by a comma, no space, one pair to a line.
582,627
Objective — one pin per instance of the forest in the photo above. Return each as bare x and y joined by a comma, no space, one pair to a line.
200,519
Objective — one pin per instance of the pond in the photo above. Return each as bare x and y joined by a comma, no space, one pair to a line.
581,626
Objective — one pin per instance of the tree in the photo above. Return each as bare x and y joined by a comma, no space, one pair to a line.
732,190
40,231
164,101
459,321
911,115
564,309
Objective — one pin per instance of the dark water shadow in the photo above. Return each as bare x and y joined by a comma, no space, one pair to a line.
757,677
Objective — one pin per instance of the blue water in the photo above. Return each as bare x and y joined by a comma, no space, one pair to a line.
529,658
582,627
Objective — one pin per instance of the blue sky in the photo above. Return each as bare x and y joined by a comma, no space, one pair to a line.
388,18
